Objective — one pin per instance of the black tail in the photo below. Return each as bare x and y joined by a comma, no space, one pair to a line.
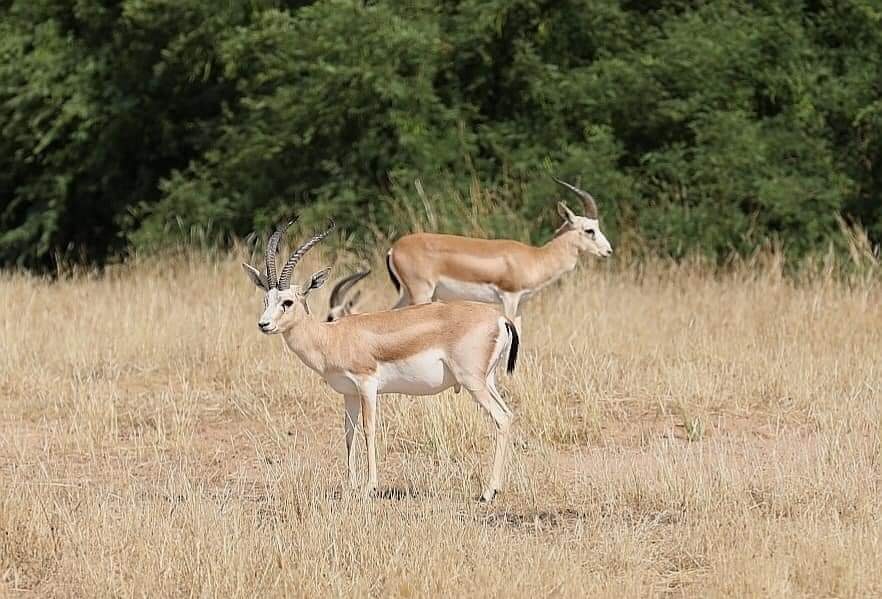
513,348
392,276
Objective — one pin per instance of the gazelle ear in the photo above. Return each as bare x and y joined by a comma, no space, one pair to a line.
565,213
316,280
255,276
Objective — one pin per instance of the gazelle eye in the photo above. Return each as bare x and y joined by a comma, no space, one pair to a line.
287,304
590,232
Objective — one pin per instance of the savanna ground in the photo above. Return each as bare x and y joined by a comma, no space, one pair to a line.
679,432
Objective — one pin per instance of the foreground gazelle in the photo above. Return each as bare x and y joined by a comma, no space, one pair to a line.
427,266
420,350
339,305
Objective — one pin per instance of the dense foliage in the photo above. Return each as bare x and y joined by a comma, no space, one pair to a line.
716,126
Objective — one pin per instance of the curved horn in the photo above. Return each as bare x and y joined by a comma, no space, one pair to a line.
285,275
344,285
272,247
590,204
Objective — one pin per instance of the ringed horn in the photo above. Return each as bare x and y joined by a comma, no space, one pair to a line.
587,199
285,275
272,247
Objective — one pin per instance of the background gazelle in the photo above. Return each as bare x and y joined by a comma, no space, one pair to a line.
420,350
427,266
342,304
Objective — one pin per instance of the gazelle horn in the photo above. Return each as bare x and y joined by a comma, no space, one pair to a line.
285,275
272,248
344,285
587,200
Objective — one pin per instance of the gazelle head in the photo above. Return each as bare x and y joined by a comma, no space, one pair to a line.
285,304
340,305
591,238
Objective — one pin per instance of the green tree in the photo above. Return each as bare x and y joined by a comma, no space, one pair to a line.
710,127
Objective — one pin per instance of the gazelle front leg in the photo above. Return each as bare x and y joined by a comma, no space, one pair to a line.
369,422
350,420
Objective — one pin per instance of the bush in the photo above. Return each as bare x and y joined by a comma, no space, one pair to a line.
710,127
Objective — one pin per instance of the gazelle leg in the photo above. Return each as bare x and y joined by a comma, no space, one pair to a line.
350,420
403,299
369,422
502,416
499,401
421,292
512,309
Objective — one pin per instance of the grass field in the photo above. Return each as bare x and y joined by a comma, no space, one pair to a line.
678,433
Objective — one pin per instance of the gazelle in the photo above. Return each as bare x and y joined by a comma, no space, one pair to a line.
339,305
420,350
427,266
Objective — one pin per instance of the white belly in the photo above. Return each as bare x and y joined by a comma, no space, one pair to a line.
422,374
452,289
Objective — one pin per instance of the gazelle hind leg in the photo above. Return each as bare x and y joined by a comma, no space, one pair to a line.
415,293
511,307
403,299
489,399
500,401
421,293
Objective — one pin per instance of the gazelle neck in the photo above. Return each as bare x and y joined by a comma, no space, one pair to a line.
560,255
309,340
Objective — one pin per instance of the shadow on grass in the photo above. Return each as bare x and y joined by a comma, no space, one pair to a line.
401,493
530,520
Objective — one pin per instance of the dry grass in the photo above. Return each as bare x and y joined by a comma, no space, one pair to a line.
679,433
